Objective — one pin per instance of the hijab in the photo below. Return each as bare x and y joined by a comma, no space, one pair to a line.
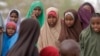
90,40
49,51
85,15
49,36
73,31
19,19
41,16
9,41
27,40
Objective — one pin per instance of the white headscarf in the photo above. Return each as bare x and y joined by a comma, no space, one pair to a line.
19,19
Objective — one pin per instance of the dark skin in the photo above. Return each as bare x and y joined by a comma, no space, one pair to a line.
10,30
36,12
95,24
69,21
14,17
1,30
69,48
52,20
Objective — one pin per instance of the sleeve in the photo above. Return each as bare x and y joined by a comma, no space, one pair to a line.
81,45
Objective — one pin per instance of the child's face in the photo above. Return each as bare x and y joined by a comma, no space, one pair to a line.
10,30
1,30
95,24
14,17
87,7
37,11
52,20
69,21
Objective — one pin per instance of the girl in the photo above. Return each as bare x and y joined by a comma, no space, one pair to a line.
36,11
14,15
69,48
90,37
1,33
71,26
51,29
49,51
28,37
85,12
9,38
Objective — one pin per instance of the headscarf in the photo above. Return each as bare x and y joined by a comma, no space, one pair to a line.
11,23
49,51
49,36
41,16
28,37
73,31
70,46
1,36
19,19
90,42
85,15
9,41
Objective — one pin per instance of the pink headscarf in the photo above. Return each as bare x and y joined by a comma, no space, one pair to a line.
11,23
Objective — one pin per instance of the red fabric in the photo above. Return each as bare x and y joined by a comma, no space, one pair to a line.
49,51
53,13
9,24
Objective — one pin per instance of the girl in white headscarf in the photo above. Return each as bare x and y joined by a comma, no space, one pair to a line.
14,15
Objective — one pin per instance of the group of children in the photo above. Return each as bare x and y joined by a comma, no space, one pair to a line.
77,34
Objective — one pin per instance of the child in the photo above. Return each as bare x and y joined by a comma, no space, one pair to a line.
27,40
49,51
1,33
69,48
71,26
10,37
85,12
90,37
50,31
36,11
14,15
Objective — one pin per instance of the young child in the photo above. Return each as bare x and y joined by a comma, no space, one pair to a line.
71,26
14,15
49,51
1,33
9,37
36,11
27,40
69,48
90,37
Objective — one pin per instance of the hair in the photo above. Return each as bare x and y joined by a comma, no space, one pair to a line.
14,11
96,15
69,45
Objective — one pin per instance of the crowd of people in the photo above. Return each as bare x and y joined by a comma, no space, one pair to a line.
46,34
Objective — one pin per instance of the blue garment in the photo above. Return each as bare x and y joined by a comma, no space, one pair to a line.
8,42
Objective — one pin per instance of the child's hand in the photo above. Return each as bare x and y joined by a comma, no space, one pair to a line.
33,15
